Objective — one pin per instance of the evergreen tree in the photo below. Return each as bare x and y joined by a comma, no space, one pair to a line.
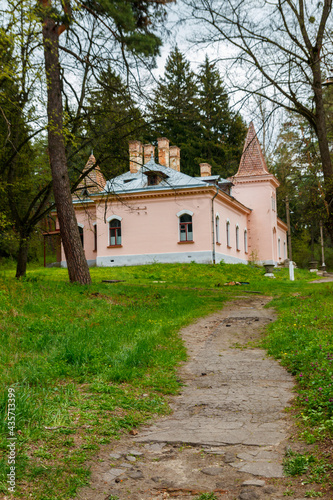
174,110
222,131
113,119
193,112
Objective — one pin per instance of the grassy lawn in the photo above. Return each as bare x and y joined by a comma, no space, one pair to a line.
90,363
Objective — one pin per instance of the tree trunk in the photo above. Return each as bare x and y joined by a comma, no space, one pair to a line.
76,262
324,149
22,257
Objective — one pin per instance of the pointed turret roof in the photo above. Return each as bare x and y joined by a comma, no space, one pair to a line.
94,181
252,161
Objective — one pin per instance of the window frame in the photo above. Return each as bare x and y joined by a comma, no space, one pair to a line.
246,248
186,225
237,238
228,233
117,229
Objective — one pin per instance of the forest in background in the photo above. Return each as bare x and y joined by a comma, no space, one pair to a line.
105,107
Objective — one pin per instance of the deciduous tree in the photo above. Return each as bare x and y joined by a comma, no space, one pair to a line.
279,51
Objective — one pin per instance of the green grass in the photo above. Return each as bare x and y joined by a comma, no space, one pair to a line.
90,363
302,338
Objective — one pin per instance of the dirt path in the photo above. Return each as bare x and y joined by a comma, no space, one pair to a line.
228,430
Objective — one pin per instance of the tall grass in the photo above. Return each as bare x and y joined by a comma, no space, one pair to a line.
89,362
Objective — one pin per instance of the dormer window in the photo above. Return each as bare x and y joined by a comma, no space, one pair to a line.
155,177
153,180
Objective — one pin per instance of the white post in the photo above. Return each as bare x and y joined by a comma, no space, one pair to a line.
291,271
322,245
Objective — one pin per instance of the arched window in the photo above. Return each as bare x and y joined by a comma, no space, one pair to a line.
279,248
186,227
217,229
228,232
237,237
81,234
245,241
115,232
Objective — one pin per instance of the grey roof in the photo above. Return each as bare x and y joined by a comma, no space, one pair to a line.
209,178
129,182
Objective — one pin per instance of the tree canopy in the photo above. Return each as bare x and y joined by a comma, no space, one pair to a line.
192,111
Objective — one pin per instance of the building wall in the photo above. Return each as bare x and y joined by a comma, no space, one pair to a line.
235,218
150,228
150,231
86,217
261,198
282,250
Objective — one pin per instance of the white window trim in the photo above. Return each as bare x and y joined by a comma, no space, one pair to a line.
80,225
237,237
246,243
117,217
113,217
227,227
179,214
183,212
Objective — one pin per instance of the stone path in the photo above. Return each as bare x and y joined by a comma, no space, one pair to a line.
228,430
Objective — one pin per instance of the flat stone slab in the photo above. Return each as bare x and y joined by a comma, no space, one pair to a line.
112,474
212,471
137,474
265,469
254,482
215,431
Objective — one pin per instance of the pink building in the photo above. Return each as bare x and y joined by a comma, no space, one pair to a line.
155,213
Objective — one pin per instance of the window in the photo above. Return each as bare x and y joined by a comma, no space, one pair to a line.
237,237
81,234
273,203
186,227
279,248
228,233
153,180
284,250
115,232
217,229
245,241
95,237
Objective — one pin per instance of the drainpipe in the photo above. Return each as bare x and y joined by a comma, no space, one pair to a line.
213,225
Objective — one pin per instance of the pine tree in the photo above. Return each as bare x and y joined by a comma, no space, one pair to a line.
222,131
193,112
113,118
175,109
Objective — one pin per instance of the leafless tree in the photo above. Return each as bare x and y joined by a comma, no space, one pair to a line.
278,50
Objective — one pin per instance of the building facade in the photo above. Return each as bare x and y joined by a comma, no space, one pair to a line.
156,213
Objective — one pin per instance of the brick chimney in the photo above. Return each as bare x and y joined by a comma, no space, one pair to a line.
163,151
148,150
175,158
135,154
205,169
